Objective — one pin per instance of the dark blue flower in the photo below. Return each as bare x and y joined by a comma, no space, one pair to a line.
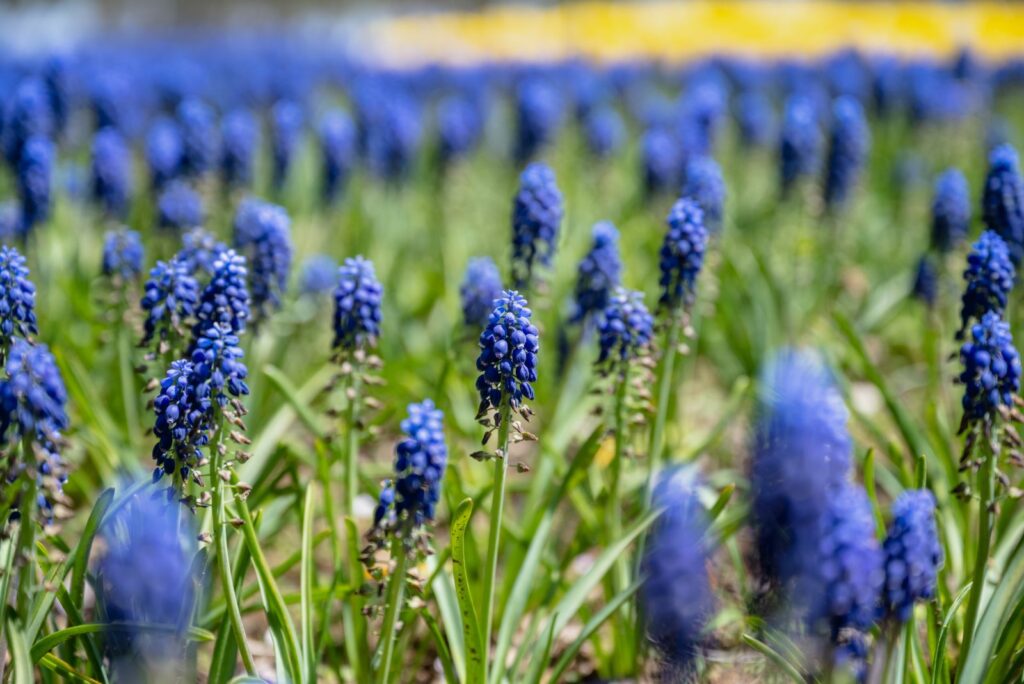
480,286
951,211
111,172
682,254
179,207
508,354
660,158
225,299
598,273
676,597
319,274
1003,200
17,297
35,168
357,306
337,150
756,118
847,150
801,455
169,300
913,553
239,139
704,185
538,117
991,375
199,137
625,328
604,131
122,254
989,275
926,281
460,125
183,422
800,141
10,221
164,150
219,371
286,121
27,115
199,250
420,459
263,234
390,132
57,83
536,216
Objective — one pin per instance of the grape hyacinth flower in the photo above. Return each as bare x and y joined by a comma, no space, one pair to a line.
263,234
459,124
598,273
538,116
56,81
182,425
239,138
847,151
676,597
800,141
199,137
660,159
392,137
17,299
217,363
357,306
991,374
337,151
801,456
35,167
179,207
508,354
480,286
926,281
111,172
199,250
1003,200
989,276
704,185
286,122
420,460
951,211
604,132
319,274
170,298
225,299
682,254
913,554
755,118
164,151
10,221
122,255
28,115
536,216
626,327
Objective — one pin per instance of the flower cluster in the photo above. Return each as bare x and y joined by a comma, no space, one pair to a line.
604,131
682,254
420,459
122,254
27,115
660,159
319,274
263,234
755,117
286,121
480,286
164,150
225,299
179,207
847,150
508,354
625,328
676,594
913,553
1002,202
199,137
17,298
111,172
199,250
337,150
459,123
182,425
800,141
357,306
704,185
538,116
170,298
991,374
218,366
989,275
239,137
35,167
951,211
926,281
392,129
536,216
598,273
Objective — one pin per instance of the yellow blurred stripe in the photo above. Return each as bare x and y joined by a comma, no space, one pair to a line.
674,31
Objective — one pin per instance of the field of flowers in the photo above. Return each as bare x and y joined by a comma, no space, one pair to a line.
315,371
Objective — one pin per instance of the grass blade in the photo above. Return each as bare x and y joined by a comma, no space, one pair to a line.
780,661
475,653
55,639
308,650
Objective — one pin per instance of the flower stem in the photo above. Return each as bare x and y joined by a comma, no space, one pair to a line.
497,508
620,575
395,599
27,528
352,447
654,447
224,557
985,476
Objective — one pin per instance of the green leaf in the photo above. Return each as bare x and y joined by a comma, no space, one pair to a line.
539,663
443,652
81,564
444,592
55,664
291,395
49,642
475,654
21,661
780,661
721,502
308,578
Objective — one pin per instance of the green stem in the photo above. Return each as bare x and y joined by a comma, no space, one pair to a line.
395,599
352,447
224,558
497,508
614,508
129,393
324,473
984,538
655,446
27,528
